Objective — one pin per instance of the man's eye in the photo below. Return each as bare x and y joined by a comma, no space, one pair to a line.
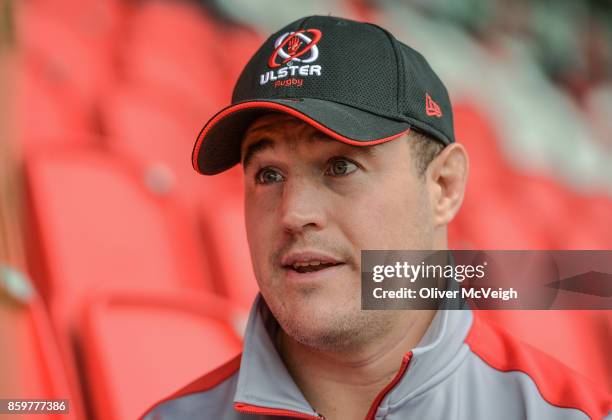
268,176
340,167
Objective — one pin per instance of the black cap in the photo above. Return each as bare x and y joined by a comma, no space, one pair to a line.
352,80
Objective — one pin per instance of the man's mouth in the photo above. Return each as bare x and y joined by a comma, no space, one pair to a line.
309,262
308,267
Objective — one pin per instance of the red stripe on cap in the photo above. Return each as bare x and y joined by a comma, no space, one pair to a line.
287,110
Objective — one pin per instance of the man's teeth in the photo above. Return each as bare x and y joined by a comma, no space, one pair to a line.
306,264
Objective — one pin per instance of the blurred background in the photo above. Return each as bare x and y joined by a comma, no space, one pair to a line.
124,275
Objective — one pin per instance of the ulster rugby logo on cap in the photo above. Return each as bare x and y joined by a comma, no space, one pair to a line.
300,46
289,48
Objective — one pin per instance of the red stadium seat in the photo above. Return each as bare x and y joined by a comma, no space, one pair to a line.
242,43
496,221
170,90
76,55
171,47
484,221
96,19
223,228
143,127
592,230
31,365
45,115
96,226
534,197
475,130
138,348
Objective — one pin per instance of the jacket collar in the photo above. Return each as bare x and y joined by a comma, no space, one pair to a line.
263,379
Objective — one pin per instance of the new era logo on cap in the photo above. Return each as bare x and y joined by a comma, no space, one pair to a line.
431,107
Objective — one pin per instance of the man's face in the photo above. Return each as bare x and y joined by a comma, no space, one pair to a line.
312,204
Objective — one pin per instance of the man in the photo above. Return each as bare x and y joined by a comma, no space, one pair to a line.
346,140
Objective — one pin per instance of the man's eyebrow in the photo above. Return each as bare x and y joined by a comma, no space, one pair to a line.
362,150
254,148
266,143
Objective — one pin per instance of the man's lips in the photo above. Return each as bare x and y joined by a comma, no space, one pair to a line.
312,267
308,261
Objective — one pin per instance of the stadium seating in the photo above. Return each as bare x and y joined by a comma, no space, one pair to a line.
31,365
94,225
268,16
242,42
475,130
173,48
148,129
84,67
143,129
222,224
45,115
488,217
98,225
140,347
591,230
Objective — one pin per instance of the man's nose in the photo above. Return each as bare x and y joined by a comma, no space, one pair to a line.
302,206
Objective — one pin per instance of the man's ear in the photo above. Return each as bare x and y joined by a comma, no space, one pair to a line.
446,178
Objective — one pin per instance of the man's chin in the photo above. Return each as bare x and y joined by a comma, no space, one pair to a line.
319,305
324,326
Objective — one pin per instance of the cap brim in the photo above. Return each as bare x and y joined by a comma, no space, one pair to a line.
218,145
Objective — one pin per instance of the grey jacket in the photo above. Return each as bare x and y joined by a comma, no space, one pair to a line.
464,368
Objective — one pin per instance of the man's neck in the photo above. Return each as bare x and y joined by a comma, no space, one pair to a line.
343,384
